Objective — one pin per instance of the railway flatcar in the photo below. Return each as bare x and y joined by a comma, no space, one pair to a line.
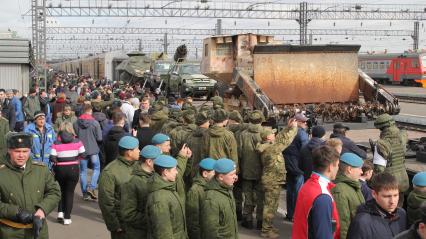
406,69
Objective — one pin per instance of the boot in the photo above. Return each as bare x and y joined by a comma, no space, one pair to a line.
239,215
247,224
269,234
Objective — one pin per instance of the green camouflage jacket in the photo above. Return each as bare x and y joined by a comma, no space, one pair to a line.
220,143
165,211
414,201
273,166
134,194
218,212
194,199
114,175
179,136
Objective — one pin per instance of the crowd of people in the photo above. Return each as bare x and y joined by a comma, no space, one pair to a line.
164,168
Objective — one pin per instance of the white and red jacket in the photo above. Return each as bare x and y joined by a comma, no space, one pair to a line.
314,187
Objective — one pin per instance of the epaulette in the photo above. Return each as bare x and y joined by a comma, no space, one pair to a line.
2,166
39,163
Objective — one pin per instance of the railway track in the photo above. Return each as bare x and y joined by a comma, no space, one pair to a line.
411,98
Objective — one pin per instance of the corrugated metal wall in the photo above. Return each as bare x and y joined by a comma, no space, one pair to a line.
15,76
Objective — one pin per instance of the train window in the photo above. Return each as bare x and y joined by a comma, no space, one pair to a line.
414,63
206,49
375,65
382,65
387,64
223,49
368,65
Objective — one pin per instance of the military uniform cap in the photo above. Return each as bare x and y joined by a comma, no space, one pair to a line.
159,138
19,140
201,118
189,116
256,117
383,121
224,166
352,160
219,115
420,179
128,142
159,115
266,132
236,116
207,164
150,152
165,161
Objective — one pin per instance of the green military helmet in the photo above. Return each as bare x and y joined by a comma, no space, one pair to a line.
201,118
256,117
383,121
175,114
220,115
188,116
235,116
159,115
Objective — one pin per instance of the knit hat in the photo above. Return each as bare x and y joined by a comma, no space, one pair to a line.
39,114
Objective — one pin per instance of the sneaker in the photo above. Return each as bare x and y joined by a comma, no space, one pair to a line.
60,217
67,221
92,194
270,234
86,196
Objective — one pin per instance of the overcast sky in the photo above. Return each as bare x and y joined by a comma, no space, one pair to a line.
11,12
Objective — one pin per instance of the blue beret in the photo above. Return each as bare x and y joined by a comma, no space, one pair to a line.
150,152
160,138
224,166
352,160
128,142
207,164
420,179
165,161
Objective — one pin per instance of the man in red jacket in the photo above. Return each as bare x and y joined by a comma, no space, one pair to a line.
316,214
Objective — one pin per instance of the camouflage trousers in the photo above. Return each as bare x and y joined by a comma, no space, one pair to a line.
270,207
253,198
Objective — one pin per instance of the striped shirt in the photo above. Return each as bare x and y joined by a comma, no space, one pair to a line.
67,152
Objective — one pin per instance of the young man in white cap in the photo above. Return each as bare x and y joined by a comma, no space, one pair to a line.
218,209
112,179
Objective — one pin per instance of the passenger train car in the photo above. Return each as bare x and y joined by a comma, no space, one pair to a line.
98,67
405,69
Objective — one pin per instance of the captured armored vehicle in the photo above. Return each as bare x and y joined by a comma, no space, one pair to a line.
159,71
136,69
185,79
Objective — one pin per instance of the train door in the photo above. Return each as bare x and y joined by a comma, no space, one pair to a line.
396,71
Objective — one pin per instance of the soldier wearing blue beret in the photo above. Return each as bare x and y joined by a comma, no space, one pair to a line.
164,207
162,141
347,192
416,197
196,195
218,208
134,194
112,179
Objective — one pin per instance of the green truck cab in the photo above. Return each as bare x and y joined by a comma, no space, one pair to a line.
159,72
185,79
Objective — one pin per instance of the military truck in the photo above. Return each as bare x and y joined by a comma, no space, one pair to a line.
136,69
159,71
185,79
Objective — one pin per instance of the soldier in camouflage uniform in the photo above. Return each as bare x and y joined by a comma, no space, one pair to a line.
180,134
251,170
158,119
236,126
391,146
273,172
220,142
175,119
195,143
4,129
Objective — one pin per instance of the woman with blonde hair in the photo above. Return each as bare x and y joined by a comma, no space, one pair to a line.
65,154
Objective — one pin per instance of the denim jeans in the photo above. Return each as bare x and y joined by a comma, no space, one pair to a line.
83,172
294,183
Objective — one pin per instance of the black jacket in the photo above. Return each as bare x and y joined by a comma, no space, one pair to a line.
305,164
349,146
110,143
8,112
371,222
144,136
